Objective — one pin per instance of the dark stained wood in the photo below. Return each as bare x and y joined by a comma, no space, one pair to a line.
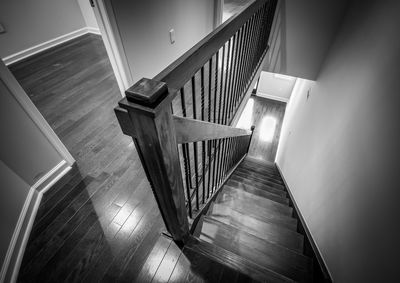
102,214
156,144
191,130
262,214
274,257
261,229
263,203
263,107
259,186
235,262
258,192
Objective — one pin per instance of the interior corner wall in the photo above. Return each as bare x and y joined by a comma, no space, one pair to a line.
29,23
88,14
144,30
26,155
301,35
339,148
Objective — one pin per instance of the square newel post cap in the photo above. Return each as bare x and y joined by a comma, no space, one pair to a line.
147,92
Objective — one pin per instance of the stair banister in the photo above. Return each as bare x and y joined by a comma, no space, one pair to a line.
181,119
148,119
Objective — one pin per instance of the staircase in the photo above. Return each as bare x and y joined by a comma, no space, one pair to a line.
249,227
228,213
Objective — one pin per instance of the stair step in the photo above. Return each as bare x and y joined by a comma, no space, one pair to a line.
263,230
258,201
258,192
260,168
235,262
261,176
258,185
258,180
257,212
259,162
274,257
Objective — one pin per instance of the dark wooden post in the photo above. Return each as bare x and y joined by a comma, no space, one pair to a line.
146,115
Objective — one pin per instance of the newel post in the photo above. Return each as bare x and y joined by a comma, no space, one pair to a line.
145,114
251,137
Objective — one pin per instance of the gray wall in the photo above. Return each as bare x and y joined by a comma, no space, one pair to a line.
339,150
144,29
25,156
29,22
301,36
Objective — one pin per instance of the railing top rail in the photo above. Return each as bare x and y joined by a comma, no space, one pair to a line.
182,69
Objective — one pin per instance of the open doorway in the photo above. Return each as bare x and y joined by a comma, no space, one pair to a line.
66,71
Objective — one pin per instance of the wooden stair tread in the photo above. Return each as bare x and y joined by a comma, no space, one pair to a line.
258,185
259,162
258,192
235,262
258,180
256,200
260,169
276,258
258,175
260,214
264,230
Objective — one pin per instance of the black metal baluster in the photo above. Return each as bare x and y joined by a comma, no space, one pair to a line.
185,152
231,78
203,143
196,163
240,68
245,57
220,114
232,109
214,118
209,120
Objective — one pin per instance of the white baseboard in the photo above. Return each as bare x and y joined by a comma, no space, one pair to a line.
16,249
48,44
273,97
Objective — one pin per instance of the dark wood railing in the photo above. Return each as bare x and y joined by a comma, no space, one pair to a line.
181,119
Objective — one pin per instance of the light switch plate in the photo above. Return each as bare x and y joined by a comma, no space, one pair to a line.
2,29
172,36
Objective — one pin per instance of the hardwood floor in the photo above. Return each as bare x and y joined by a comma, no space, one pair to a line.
267,115
100,222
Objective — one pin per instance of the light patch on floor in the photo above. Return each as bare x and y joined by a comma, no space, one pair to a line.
268,126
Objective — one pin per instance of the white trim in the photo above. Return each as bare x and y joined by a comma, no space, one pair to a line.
31,110
93,30
273,97
16,249
112,41
43,46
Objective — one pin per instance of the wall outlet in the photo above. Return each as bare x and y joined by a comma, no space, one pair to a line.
2,29
172,36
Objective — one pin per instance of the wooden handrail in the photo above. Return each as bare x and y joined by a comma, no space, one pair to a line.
182,69
189,130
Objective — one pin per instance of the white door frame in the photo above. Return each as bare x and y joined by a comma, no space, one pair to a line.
109,31
28,106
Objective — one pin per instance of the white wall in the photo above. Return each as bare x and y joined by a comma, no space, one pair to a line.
29,23
88,14
301,36
144,30
25,156
339,150
275,87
